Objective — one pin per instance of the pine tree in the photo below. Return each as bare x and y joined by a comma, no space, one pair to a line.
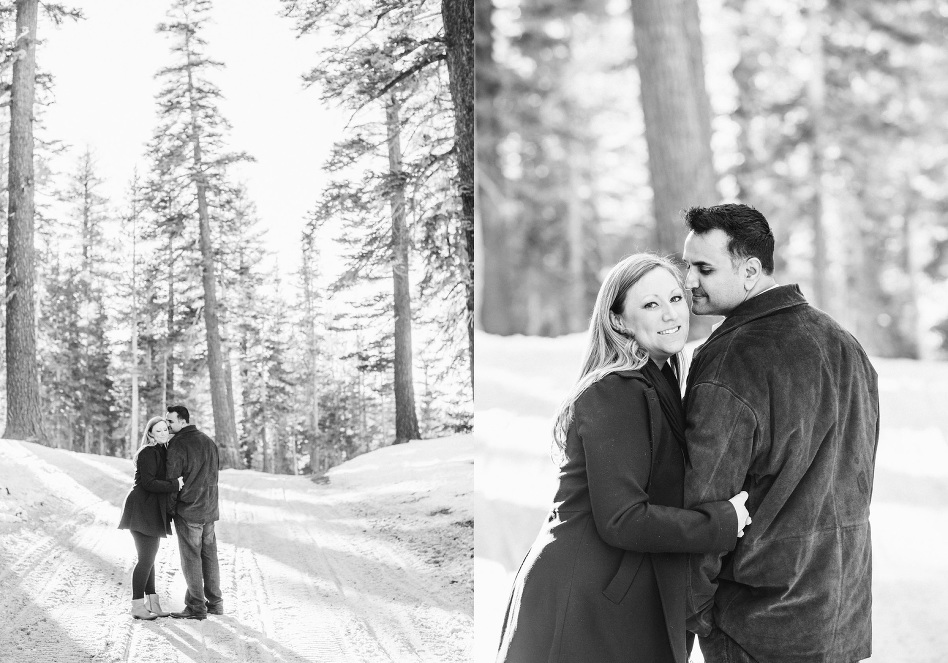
190,142
94,275
312,353
170,284
458,17
24,417
391,73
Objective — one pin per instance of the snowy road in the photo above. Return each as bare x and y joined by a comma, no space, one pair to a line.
375,566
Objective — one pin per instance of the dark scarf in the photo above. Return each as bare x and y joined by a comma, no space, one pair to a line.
669,397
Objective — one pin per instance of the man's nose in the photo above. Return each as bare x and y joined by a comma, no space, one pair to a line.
691,280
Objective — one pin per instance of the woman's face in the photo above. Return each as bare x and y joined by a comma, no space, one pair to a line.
160,432
656,313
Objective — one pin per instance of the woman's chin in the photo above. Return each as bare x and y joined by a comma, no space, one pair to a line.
668,349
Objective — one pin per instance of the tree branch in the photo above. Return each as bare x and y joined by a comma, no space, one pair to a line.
411,71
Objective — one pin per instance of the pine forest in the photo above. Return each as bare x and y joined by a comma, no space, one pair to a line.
600,121
297,340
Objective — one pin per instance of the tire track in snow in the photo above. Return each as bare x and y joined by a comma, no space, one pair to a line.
292,594
408,614
46,602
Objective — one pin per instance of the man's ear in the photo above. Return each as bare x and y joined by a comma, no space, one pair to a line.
752,272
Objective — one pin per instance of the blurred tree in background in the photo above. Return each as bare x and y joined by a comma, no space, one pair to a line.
823,114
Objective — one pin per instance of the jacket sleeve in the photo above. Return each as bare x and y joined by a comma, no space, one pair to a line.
720,433
148,469
175,461
612,418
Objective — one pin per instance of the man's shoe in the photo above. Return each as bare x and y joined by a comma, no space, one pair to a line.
215,609
187,613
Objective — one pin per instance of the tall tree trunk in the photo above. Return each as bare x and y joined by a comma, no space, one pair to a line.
167,375
670,61
309,307
743,76
86,174
816,94
130,447
496,285
265,450
908,317
24,416
225,426
406,421
576,308
458,18
294,456
229,381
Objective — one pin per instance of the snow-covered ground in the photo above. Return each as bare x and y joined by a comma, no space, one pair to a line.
375,565
519,381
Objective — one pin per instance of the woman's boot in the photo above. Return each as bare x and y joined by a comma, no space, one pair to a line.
139,611
151,602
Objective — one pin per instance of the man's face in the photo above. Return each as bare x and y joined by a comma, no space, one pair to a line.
175,423
714,280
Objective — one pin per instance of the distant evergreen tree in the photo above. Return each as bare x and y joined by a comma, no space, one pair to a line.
61,343
96,253
389,69
267,384
311,357
169,283
839,157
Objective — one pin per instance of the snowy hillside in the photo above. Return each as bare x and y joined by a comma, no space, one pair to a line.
521,380
375,565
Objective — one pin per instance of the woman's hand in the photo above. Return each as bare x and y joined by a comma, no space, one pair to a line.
743,517
181,485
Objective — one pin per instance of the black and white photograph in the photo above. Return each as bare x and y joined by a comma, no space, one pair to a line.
712,331
236,408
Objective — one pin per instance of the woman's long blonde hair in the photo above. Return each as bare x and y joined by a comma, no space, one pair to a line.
148,440
608,349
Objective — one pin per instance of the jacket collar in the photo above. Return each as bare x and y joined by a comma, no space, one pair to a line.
764,304
186,429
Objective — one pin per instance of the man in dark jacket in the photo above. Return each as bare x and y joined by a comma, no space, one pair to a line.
781,402
193,456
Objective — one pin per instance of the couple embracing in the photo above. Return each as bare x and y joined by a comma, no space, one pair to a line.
176,470
741,513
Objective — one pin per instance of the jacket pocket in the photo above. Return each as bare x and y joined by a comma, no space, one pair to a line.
619,586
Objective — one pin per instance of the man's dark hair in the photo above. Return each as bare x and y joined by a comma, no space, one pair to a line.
181,411
748,230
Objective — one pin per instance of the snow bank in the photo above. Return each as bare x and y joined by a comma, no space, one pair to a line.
421,495
519,382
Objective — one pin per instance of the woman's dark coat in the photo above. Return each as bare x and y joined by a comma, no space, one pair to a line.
605,579
146,506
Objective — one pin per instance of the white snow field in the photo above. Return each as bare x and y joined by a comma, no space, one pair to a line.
519,381
374,566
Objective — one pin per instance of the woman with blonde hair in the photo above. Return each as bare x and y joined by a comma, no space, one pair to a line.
605,579
146,515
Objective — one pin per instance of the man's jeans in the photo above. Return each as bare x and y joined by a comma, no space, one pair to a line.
198,547
718,647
